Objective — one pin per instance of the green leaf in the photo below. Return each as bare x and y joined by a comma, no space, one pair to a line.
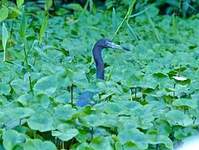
63,98
74,6
11,138
100,142
114,20
20,3
66,134
48,4
191,103
19,86
23,27
64,112
14,12
46,85
163,127
4,89
25,99
152,11
43,27
182,133
176,117
37,144
19,112
4,2
4,13
155,138
12,117
131,146
43,100
134,136
95,120
41,121
84,146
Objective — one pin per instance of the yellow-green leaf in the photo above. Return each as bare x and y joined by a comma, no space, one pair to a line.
20,3
4,13
48,4
43,28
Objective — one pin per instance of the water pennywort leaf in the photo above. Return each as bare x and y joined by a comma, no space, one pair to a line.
46,85
191,103
65,135
41,121
11,138
37,144
176,117
133,135
4,88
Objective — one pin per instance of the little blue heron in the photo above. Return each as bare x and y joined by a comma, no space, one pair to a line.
85,98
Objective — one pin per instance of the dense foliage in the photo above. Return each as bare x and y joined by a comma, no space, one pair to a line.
149,100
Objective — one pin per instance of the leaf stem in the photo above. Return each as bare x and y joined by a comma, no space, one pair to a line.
133,33
131,90
71,94
126,18
153,27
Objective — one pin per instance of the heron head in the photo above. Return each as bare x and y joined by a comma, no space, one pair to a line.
106,43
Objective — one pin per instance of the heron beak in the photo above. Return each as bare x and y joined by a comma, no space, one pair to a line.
116,46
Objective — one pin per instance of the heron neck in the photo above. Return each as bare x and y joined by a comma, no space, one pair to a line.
97,55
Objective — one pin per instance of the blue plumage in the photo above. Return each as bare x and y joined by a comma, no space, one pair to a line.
85,98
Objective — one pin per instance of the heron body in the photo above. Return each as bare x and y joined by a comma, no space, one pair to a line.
86,97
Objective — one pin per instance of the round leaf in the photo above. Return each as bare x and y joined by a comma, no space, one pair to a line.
176,117
12,138
65,135
37,144
46,85
41,121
